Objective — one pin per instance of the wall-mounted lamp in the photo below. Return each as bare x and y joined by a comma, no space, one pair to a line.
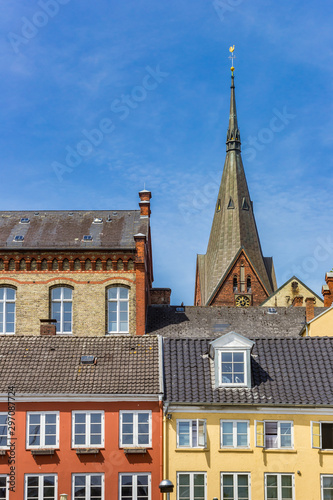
63,496
299,473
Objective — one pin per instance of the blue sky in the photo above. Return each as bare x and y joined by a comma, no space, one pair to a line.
152,81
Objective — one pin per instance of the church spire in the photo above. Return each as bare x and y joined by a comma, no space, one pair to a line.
233,267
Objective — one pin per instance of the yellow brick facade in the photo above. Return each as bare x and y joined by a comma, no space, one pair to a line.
88,299
304,462
287,293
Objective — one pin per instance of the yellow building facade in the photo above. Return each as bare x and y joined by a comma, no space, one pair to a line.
320,326
292,293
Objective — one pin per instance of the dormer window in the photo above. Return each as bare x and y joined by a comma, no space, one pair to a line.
232,359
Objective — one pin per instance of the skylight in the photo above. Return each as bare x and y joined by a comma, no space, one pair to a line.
98,220
25,220
87,237
180,309
19,238
272,310
88,360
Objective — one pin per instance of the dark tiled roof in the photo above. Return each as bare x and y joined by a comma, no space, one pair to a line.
52,365
284,371
208,321
58,229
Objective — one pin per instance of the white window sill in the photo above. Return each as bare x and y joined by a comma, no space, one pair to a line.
191,449
279,450
237,450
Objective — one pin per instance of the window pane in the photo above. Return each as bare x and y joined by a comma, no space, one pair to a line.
328,482
67,293
238,357
112,293
123,293
56,293
10,293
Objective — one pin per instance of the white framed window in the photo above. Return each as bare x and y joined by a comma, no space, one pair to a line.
322,435
235,434
326,485
41,487
135,486
191,486
61,308
232,368
191,433
88,486
4,437
274,434
135,428
279,487
43,429
87,429
235,486
4,486
7,310
117,309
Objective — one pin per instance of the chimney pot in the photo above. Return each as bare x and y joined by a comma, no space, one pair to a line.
48,326
309,311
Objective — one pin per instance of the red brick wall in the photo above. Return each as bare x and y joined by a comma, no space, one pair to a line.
160,296
197,293
226,296
328,294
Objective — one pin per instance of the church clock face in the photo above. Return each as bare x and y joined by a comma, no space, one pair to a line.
242,301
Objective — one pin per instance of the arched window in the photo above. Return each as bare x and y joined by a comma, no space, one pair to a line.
61,308
235,284
7,310
23,265
248,284
87,265
33,265
77,265
55,265
130,265
98,265
2,266
117,309
11,265
44,265
109,265
120,265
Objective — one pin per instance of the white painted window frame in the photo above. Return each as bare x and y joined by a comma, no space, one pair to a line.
134,476
42,430
88,476
117,300
62,301
322,476
234,433
135,414
235,482
191,474
6,447
279,485
87,424
247,374
279,422
6,301
199,422
41,484
6,476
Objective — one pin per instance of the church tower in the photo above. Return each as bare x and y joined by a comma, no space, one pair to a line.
233,272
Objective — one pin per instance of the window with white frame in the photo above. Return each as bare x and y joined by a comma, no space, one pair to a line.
274,434
43,429
118,309
61,308
88,486
191,433
4,438
326,482
40,487
88,429
4,487
235,486
233,367
322,435
191,486
135,486
135,428
234,433
7,310
279,487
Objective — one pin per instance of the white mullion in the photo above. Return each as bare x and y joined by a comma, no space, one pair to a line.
234,433
88,430
135,429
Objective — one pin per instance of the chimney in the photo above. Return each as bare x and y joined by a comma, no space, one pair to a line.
144,203
310,302
160,296
48,326
298,301
327,290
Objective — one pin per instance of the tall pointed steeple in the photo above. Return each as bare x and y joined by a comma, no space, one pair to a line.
233,271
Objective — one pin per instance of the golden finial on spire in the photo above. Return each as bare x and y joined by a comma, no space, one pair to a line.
232,57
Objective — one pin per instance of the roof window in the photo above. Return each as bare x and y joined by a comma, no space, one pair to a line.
180,309
98,220
19,238
87,237
88,360
24,220
272,310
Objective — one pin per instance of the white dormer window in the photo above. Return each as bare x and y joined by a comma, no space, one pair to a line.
232,359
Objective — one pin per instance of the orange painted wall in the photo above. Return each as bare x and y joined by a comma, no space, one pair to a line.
110,461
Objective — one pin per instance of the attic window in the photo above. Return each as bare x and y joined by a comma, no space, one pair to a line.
87,237
272,310
70,214
231,204
109,218
24,220
115,213
98,220
180,309
88,360
245,205
19,238
36,213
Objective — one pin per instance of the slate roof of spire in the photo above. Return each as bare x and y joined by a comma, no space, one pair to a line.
284,372
52,365
65,229
234,225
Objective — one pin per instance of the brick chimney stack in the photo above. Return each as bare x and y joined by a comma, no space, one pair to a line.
310,303
298,301
144,204
327,290
48,326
